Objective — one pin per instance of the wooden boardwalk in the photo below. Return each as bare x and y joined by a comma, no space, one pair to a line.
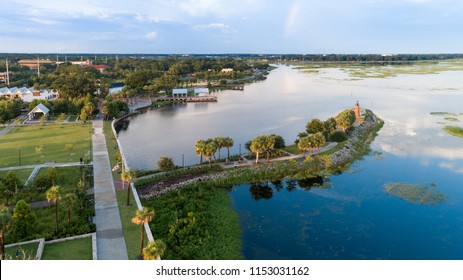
187,98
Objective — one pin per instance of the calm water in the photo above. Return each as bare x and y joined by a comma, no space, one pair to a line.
355,218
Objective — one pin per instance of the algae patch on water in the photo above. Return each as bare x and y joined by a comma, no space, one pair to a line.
416,193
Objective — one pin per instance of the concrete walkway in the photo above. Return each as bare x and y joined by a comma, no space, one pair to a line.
43,165
110,238
6,129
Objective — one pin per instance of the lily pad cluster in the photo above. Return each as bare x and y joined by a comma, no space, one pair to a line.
416,193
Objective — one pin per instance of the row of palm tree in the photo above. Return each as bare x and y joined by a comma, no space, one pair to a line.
262,143
54,194
208,148
155,249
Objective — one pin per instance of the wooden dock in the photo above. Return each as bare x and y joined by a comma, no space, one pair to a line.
187,99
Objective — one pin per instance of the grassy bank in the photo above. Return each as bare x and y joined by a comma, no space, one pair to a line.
45,143
454,130
26,252
197,222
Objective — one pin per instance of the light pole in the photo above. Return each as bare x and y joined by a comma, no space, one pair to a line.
19,155
183,161
240,150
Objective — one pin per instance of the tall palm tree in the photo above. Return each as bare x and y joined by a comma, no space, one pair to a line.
141,218
5,223
219,143
54,194
228,143
210,150
258,146
269,145
200,146
319,140
69,200
305,144
127,176
154,250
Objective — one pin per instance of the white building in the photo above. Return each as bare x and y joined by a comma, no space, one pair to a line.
27,94
201,91
179,92
38,110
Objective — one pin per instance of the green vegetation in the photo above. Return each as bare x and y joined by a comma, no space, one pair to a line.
451,119
67,177
9,109
293,149
77,249
131,230
26,251
454,130
113,148
165,164
444,114
22,174
197,222
416,193
39,144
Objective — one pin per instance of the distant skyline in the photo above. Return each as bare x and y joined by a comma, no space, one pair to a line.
232,26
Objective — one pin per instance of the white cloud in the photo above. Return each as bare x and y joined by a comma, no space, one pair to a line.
150,36
224,28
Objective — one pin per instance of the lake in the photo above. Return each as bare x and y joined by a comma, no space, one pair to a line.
355,218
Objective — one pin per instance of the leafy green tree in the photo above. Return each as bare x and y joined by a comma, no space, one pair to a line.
279,141
165,164
5,192
141,218
87,111
154,250
5,224
54,194
61,118
53,175
69,201
200,147
73,81
306,143
127,176
24,220
319,140
315,126
330,125
228,143
12,181
345,119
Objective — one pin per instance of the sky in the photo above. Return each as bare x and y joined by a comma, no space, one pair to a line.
231,26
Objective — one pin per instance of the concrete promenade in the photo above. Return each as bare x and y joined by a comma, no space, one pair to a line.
110,238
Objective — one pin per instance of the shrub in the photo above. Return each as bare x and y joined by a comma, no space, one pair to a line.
165,164
338,136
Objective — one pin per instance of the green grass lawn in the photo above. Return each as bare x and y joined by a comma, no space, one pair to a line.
112,147
131,231
68,177
293,150
26,252
78,249
22,174
52,139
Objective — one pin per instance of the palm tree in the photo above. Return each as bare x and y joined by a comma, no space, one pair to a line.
304,144
200,146
258,146
219,143
5,222
54,194
319,140
209,151
228,143
127,176
69,200
269,145
154,250
141,218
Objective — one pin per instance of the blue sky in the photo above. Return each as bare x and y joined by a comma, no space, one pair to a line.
232,26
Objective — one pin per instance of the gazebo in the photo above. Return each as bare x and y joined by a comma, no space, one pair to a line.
39,109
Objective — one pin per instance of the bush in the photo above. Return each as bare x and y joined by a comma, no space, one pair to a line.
338,136
165,164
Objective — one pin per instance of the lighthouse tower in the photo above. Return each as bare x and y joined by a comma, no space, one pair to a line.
357,110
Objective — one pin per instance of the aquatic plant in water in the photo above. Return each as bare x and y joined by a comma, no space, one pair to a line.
416,193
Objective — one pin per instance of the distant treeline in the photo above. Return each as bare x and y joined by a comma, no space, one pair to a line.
271,57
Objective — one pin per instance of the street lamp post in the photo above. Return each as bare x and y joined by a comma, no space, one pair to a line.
19,155
183,161
240,149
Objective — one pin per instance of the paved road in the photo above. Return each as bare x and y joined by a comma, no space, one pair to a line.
110,238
